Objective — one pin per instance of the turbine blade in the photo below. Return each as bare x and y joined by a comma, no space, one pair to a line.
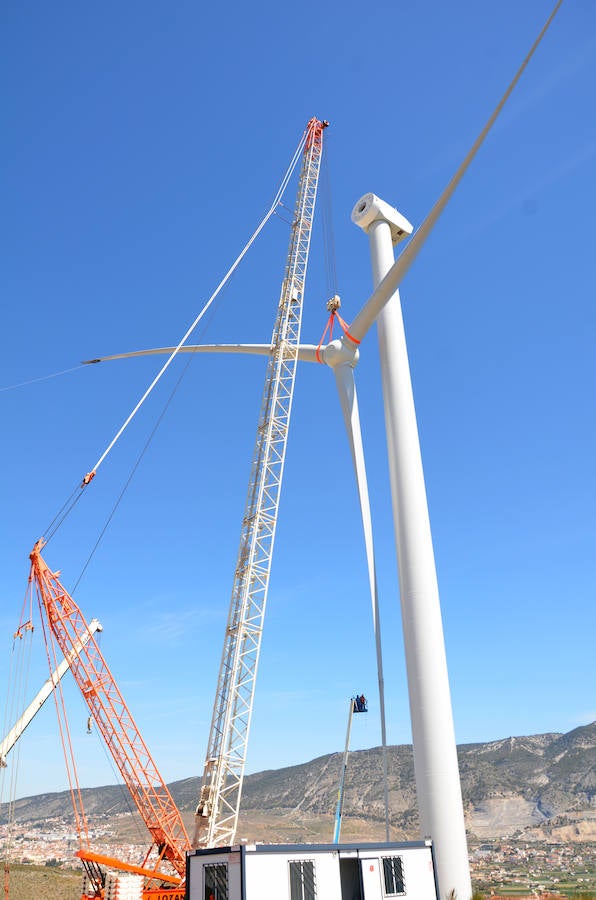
369,312
262,349
306,352
346,386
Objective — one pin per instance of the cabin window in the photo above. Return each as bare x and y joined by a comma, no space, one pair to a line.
302,880
393,876
216,881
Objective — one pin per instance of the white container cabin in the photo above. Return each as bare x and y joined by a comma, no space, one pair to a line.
313,872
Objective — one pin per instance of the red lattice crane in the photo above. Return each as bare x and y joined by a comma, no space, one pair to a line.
119,731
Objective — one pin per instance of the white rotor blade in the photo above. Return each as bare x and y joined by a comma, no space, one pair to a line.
369,312
306,352
346,386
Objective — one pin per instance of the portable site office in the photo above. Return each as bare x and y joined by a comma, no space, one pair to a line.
313,872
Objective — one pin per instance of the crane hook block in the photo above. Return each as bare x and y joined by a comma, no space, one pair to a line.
87,479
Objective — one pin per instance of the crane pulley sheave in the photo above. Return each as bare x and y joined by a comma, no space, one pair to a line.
217,811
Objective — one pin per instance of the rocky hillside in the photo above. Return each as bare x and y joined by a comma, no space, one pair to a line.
543,781
544,785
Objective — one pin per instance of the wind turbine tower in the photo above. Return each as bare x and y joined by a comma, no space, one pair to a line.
433,735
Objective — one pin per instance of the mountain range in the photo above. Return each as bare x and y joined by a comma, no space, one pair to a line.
539,786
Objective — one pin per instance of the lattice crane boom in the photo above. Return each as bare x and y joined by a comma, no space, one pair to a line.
217,811
40,698
112,716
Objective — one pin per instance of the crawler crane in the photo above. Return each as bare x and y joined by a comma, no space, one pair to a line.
219,803
165,861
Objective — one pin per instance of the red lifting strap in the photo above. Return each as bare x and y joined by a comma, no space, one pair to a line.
345,327
329,328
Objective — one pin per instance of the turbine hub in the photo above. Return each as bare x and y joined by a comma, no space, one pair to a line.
341,351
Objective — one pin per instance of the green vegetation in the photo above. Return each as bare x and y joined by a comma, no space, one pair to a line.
44,883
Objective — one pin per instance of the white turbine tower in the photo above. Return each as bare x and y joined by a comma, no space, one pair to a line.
433,735
435,753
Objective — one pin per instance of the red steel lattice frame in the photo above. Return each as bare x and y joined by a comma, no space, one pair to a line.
112,716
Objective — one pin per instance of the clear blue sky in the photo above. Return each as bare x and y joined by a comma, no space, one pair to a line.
142,142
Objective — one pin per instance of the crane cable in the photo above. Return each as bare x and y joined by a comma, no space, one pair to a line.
20,384
132,473
90,475
72,775
334,303
327,221
77,492
62,513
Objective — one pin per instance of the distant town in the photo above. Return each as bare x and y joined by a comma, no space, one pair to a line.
523,868
510,867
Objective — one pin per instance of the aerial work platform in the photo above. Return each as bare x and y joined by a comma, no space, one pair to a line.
310,871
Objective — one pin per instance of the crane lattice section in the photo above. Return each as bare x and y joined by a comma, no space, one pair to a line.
111,714
217,812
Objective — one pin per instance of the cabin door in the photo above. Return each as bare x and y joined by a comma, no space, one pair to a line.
370,869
